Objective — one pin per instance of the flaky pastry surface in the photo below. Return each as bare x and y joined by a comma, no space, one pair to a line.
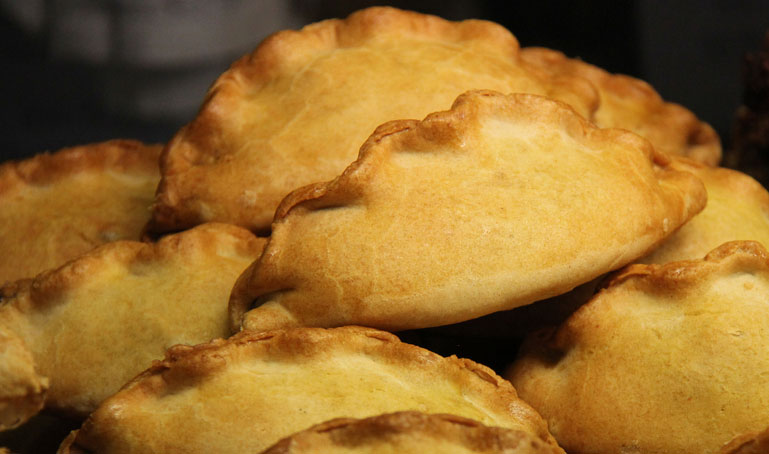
57,206
737,209
96,322
296,110
410,432
246,393
668,358
632,104
497,203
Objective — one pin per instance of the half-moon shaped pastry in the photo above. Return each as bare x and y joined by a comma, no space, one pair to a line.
296,110
629,103
497,203
60,205
96,322
410,433
667,358
737,209
246,393
22,390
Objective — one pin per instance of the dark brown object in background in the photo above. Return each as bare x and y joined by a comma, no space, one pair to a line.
749,151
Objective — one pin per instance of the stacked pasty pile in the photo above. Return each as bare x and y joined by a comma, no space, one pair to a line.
392,171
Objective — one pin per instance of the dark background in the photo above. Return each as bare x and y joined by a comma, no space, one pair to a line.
79,71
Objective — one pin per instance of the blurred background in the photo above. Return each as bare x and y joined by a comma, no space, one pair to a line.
80,71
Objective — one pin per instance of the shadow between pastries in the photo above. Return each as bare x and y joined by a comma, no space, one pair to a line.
91,325
57,206
247,392
497,203
410,432
667,358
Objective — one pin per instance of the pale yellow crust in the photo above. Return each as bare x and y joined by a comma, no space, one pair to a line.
96,322
246,393
57,206
629,103
502,201
295,111
667,358
409,432
737,209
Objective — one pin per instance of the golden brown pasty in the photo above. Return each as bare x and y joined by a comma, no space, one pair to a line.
246,393
667,358
410,432
60,205
296,110
737,209
629,103
99,320
22,390
497,203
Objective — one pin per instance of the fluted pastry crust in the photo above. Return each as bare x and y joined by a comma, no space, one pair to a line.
246,393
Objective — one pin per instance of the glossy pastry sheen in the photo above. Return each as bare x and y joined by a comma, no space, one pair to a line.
410,433
60,205
497,203
98,321
246,393
668,358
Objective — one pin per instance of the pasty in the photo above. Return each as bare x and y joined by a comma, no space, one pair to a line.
497,203
99,320
667,358
60,205
246,393
410,433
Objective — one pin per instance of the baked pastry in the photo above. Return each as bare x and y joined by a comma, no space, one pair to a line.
60,205
296,110
629,103
497,203
410,432
667,358
246,393
737,209
99,320
22,390
754,443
